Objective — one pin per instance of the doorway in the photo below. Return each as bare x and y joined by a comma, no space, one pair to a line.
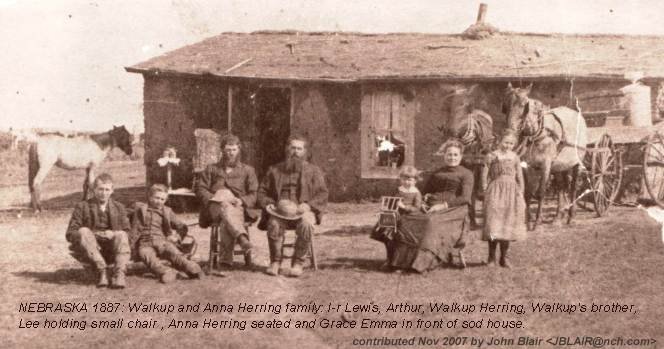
273,108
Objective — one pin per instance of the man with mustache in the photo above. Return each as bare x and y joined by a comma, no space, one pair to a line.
226,190
299,183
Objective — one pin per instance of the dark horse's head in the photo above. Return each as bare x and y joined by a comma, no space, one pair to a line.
122,139
520,109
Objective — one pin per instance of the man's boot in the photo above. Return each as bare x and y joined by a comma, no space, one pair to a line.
275,256
273,269
193,270
296,269
118,279
301,250
168,276
103,278
504,246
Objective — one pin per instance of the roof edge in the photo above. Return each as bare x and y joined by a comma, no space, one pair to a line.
378,79
502,32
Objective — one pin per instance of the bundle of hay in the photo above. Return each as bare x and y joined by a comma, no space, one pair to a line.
479,31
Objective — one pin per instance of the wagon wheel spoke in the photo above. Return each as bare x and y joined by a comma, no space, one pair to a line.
609,164
600,199
653,154
598,176
650,157
653,168
608,190
657,150
660,188
655,174
661,192
655,164
606,158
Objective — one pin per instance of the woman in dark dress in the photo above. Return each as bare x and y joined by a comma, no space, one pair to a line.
425,240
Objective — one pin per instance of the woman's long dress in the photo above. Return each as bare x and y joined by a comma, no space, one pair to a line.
504,206
423,241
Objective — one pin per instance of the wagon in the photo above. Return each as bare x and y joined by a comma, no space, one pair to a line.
608,140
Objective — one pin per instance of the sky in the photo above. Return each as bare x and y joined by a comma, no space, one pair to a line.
62,62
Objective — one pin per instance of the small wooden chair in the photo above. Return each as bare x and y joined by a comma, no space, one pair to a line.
290,245
388,217
216,246
461,260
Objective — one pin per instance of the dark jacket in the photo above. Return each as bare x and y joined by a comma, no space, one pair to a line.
452,185
242,182
139,222
85,215
312,188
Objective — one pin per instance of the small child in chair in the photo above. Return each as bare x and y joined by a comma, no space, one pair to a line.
154,224
411,198
410,202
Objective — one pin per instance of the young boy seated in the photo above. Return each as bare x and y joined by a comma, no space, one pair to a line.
154,224
100,225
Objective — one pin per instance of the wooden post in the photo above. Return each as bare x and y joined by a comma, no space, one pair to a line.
292,106
230,108
481,14
169,170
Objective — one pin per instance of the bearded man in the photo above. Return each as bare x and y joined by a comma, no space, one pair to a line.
298,183
227,190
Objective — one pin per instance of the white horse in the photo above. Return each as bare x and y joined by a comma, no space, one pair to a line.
21,135
72,153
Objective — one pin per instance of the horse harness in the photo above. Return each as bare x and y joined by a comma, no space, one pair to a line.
474,134
527,142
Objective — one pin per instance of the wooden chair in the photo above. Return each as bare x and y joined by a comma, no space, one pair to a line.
216,248
288,244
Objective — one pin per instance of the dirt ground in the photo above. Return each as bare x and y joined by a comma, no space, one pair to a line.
617,258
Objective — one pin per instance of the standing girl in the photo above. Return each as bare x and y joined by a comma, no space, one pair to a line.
504,205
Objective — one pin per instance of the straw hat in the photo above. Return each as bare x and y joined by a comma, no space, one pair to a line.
285,209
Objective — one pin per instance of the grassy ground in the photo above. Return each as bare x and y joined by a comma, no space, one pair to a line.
618,258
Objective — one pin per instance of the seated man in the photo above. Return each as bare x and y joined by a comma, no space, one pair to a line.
153,224
226,190
100,224
301,183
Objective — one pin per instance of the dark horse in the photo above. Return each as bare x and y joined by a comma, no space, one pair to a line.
552,141
69,153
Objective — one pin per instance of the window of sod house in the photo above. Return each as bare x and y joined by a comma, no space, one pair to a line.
387,134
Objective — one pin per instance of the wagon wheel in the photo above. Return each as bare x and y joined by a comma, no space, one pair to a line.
606,174
653,168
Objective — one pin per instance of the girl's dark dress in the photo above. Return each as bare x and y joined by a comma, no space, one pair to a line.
423,241
412,201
